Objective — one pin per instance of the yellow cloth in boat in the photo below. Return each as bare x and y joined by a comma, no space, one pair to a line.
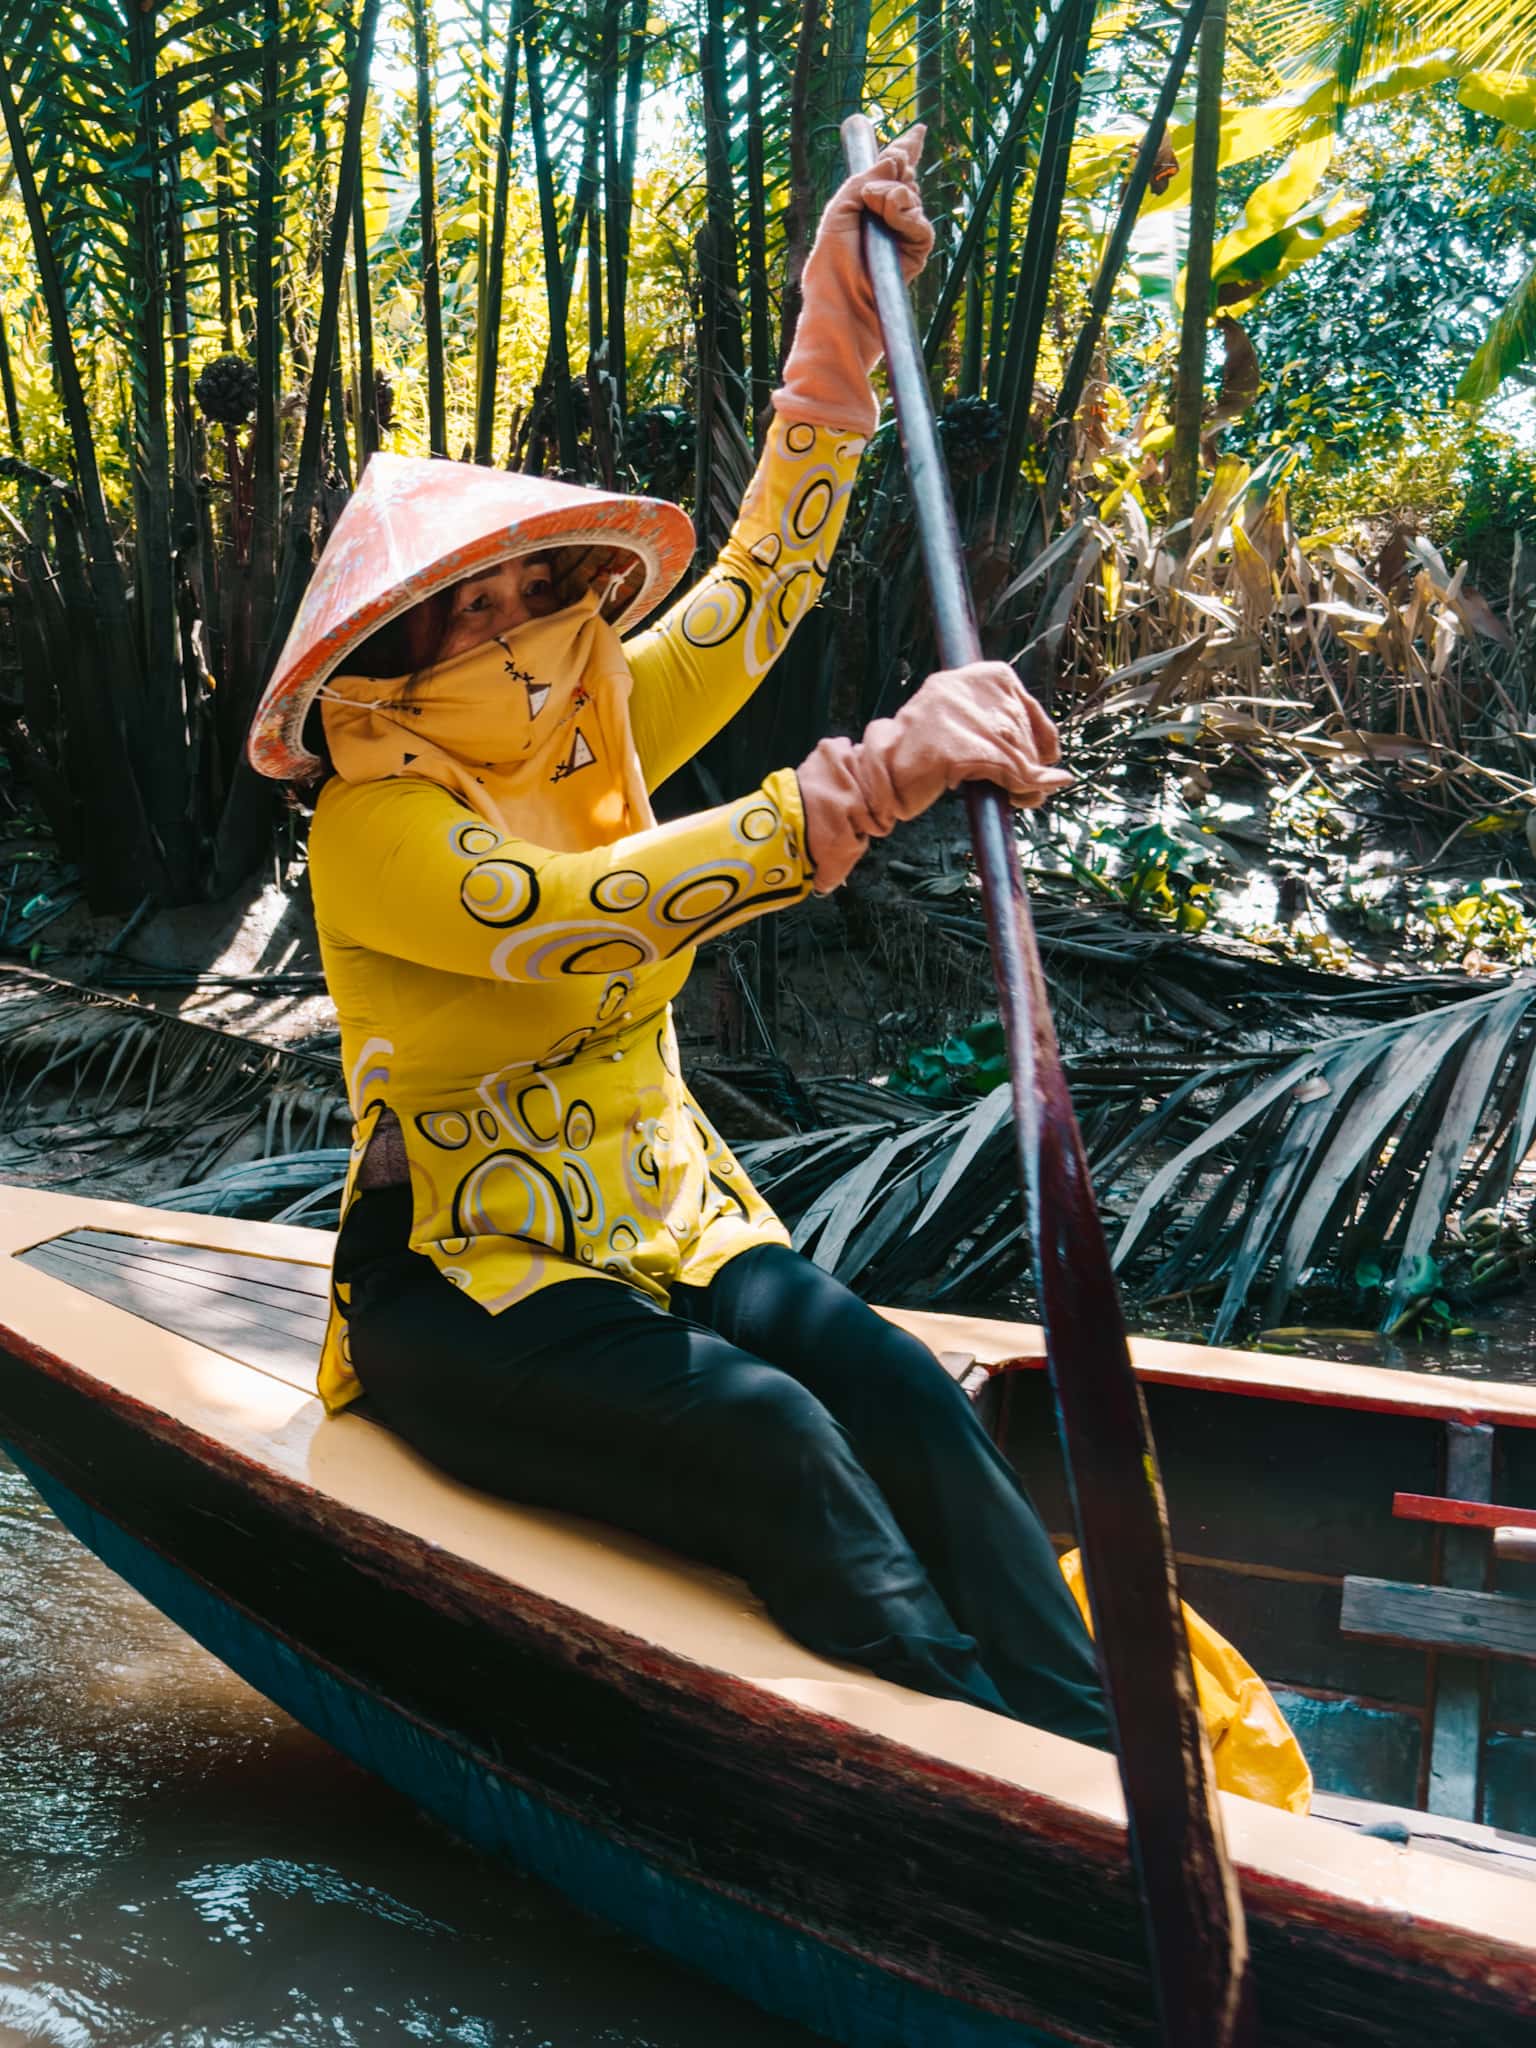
510,1001
1252,1746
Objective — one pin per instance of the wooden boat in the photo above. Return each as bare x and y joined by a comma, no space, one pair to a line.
882,1867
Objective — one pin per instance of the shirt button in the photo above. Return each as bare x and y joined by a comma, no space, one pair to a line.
616,1055
625,1016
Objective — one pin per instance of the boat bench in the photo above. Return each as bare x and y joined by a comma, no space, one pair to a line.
1458,1620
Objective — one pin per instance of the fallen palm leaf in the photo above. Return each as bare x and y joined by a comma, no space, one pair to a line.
1413,1117
83,1074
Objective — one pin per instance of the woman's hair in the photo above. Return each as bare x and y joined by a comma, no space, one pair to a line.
408,644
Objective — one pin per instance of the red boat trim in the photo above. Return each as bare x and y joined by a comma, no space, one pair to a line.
1477,1514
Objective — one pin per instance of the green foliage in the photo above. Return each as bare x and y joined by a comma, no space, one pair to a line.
1151,869
1372,338
1486,921
969,1063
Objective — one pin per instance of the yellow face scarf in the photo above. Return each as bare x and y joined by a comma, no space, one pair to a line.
532,730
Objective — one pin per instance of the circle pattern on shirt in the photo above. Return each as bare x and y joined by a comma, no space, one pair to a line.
538,1111
541,952
580,1126
624,890
717,613
475,840
584,1196
695,897
810,511
509,1194
445,1128
500,892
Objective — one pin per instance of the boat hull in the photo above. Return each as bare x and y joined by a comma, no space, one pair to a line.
778,1967
877,1889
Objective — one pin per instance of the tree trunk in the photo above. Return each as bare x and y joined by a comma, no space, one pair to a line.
800,210
558,360
1189,378
1036,265
431,275
721,275
488,362
764,365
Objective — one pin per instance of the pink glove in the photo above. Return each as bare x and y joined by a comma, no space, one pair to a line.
837,340
974,724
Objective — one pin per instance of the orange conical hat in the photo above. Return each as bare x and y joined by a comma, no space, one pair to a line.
415,527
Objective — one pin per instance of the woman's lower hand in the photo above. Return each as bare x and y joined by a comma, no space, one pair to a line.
971,724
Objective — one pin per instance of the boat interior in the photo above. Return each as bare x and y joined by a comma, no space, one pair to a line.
1360,1534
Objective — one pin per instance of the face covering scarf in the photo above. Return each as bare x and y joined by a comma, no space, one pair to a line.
531,730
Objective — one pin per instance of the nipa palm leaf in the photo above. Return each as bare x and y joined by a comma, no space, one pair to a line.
1356,1148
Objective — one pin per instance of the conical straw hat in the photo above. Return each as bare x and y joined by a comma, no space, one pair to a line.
415,527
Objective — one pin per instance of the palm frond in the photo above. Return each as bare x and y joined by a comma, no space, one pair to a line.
94,1084
1354,1150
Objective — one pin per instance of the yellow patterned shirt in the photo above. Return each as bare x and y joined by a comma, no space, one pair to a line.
512,1005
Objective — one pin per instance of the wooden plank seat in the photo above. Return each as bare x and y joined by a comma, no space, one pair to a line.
1440,1618
1460,1621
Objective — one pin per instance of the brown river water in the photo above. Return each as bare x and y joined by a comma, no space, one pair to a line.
182,1866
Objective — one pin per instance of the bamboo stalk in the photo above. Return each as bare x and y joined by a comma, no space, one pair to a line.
484,172
488,353
1076,377
800,211
558,360
618,258
223,200
759,311
975,298
296,557
1194,1911
1189,377
431,274
999,173
1016,386
8,387
721,278
608,89
265,480
367,371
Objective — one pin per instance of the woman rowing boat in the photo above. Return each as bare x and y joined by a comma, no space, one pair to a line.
552,1277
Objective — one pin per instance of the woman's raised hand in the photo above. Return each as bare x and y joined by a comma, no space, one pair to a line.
837,338
971,724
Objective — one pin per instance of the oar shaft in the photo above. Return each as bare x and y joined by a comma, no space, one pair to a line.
1194,1911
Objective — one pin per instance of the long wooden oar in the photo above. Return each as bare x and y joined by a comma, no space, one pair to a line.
1193,1908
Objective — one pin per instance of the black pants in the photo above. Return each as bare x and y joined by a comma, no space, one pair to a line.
771,1424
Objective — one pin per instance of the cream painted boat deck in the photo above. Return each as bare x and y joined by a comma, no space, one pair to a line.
217,1322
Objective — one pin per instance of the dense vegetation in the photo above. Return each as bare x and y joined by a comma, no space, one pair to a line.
1232,333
